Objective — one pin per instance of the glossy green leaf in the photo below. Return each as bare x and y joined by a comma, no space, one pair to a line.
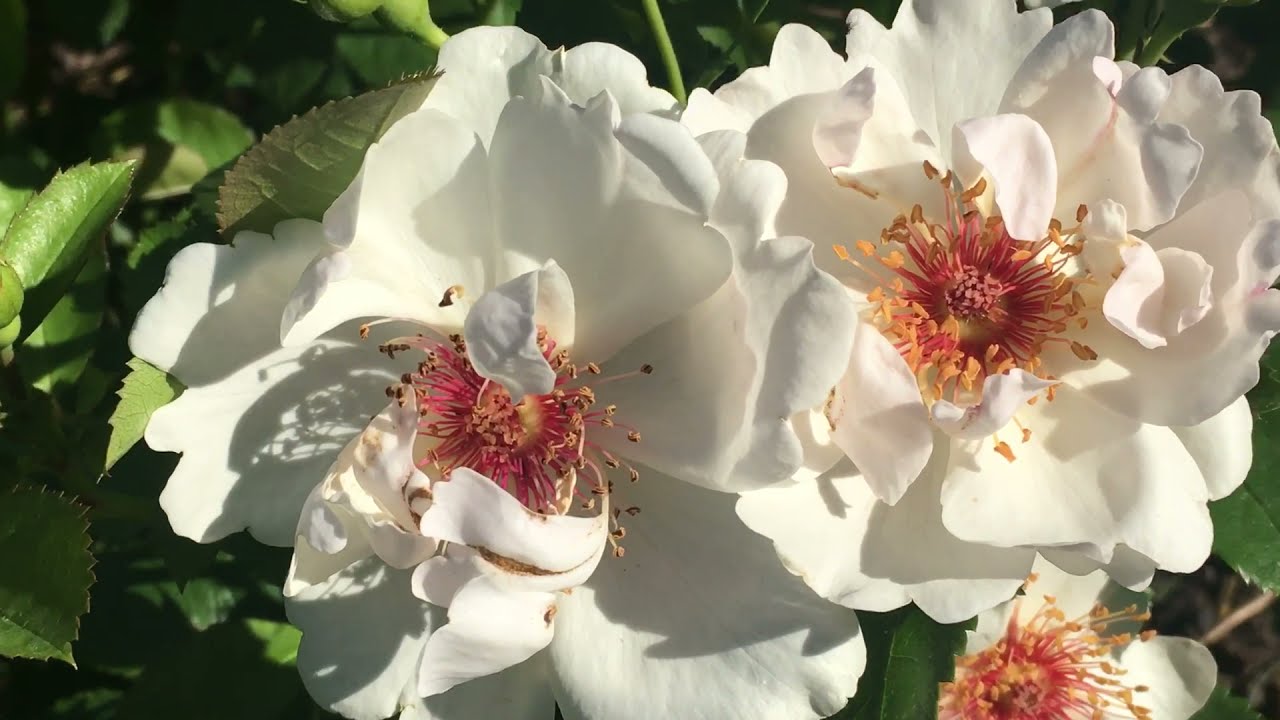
45,575
49,240
908,656
145,390
1222,705
1247,523
57,352
302,166
177,141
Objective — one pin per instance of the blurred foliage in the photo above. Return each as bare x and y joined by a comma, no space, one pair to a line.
147,106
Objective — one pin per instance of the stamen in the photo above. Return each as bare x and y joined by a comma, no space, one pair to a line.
538,447
965,300
1049,667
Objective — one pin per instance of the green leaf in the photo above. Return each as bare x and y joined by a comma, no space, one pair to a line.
1222,705
1246,524
145,390
908,656
57,352
49,240
379,58
177,141
302,166
45,576
13,45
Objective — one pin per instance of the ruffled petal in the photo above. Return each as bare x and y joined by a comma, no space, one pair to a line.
542,551
255,443
1180,672
876,150
698,602
489,629
867,555
362,637
1002,396
779,333
414,224
877,417
568,189
501,330
801,62
329,539
1015,151
1075,41
361,507
212,292
1237,139
1222,447
1085,476
1225,344
587,70
954,60
1110,145
483,68
1158,294
521,692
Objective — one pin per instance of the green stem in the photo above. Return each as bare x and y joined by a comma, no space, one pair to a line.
414,16
665,49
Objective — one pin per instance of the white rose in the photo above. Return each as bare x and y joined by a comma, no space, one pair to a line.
572,291
1063,264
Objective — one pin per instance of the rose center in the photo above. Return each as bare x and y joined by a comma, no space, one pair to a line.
1049,668
972,294
962,299
543,449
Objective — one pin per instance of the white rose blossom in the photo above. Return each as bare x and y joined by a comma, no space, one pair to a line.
1073,647
580,335
1062,265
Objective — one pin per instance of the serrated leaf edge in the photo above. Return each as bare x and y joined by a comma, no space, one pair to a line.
83,514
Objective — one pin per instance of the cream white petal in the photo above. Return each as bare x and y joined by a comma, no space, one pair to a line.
1222,447
1180,672
521,692
410,226
876,416
1109,480
362,637
954,59
1226,343
1003,396
255,443
1016,154
501,330
698,601
766,346
472,510
601,205
867,555
489,629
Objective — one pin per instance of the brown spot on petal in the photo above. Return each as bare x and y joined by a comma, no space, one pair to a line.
549,615
515,567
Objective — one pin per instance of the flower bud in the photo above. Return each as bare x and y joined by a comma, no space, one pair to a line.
9,333
343,10
10,296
